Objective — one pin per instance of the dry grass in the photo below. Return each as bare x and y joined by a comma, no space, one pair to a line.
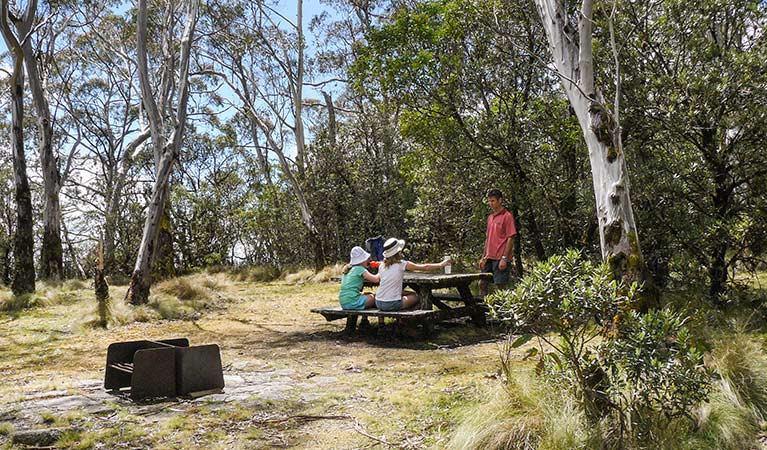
399,389
525,414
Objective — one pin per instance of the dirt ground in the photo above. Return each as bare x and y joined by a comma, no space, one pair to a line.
293,380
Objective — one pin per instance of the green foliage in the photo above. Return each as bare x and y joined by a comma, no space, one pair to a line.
655,370
464,84
693,88
646,366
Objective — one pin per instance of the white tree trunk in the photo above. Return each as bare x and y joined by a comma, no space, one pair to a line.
51,257
167,149
574,63
24,269
298,89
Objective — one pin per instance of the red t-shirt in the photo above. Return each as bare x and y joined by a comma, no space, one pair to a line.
500,227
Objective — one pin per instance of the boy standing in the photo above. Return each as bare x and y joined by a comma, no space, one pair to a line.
499,242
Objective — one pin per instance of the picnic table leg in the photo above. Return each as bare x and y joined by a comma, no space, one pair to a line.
364,324
476,312
428,327
351,324
426,298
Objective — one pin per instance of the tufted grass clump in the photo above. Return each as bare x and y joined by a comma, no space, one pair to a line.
183,297
16,303
533,412
248,273
184,288
527,413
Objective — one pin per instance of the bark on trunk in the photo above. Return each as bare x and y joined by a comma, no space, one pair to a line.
162,256
298,88
51,255
138,291
617,227
24,269
6,265
165,150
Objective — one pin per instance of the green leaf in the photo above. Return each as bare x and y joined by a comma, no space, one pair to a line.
522,340
530,353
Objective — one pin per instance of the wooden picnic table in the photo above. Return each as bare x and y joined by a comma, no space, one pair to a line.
431,291
425,284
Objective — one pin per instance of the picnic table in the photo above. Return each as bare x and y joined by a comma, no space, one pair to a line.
425,284
431,291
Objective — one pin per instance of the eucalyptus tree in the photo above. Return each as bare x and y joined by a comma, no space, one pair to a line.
7,215
165,100
695,86
258,54
569,31
476,111
38,53
24,270
104,122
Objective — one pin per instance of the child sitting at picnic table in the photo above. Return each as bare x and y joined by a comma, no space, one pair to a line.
390,295
351,295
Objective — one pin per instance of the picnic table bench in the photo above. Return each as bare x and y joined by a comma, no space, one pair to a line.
428,286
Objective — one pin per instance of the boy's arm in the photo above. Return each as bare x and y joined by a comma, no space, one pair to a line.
508,251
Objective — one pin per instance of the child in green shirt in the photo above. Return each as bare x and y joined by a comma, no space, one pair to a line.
351,295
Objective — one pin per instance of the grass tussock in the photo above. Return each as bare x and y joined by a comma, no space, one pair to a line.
309,276
733,416
531,413
184,297
15,303
526,414
6,428
75,285
247,273
742,365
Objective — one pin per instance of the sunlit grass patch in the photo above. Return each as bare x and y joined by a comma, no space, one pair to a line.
304,276
187,288
77,440
75,284
300,277
247,273
527,413
25,301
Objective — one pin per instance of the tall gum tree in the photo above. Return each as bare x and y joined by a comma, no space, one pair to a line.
103,116
24,269
51,252
174,79
266,74
569,34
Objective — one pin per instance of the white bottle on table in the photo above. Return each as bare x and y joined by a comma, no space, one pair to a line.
449,267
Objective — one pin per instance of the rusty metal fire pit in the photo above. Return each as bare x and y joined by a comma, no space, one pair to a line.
164,368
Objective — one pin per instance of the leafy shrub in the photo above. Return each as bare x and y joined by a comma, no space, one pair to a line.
646,366
575,299
654,370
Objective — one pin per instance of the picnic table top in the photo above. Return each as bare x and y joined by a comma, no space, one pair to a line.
436,279
442,278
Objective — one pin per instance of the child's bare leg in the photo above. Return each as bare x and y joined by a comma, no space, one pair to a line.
409,299
371,300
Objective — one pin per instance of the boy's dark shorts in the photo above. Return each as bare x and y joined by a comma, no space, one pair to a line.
499,276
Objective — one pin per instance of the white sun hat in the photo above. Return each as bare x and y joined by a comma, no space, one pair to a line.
358,256
392,246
